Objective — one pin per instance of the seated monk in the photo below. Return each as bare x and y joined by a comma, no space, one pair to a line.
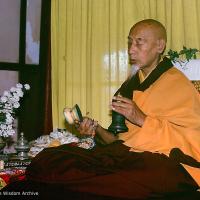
158,157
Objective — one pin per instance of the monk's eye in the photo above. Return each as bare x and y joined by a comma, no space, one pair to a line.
130,43
139,41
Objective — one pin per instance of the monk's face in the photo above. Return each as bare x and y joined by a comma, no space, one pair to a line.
144,46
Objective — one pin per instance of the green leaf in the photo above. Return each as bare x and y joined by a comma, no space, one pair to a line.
188,53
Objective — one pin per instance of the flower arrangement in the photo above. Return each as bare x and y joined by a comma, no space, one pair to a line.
184,54
9,103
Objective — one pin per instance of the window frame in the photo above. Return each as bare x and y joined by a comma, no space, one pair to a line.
31,112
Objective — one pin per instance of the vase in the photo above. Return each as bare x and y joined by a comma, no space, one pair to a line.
2,145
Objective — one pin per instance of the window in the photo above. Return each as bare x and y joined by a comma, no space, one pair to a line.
24,43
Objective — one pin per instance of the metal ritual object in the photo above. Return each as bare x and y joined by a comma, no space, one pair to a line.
22,147
73,114
118,124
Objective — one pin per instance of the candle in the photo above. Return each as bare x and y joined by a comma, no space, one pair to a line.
1,164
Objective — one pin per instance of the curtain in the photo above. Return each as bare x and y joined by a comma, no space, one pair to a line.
48,126
89,47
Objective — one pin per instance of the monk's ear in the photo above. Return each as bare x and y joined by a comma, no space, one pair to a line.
161,43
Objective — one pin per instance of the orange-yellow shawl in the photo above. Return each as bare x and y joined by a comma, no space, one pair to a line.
172,106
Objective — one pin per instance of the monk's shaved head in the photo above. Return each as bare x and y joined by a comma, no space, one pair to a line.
146,43
156,26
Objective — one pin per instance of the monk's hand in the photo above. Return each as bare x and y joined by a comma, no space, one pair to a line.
129,109
87,126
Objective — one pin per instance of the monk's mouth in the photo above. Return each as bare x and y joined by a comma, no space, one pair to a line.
132,61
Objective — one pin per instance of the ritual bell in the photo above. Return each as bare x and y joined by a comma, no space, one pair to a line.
118,124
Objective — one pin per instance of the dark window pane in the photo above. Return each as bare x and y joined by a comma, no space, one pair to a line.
9,31
33,31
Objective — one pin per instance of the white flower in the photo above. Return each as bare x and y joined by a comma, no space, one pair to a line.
3,126
16,97
11,132
9,118
6,93
9,102
19,85
19,92
27,86
3,99
16,105
12,89
9,121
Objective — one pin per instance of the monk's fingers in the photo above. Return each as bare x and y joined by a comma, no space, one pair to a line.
92,125
121,105
90,130
120,110
85,123
122,99
76,124
95,124
93,128
87,126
